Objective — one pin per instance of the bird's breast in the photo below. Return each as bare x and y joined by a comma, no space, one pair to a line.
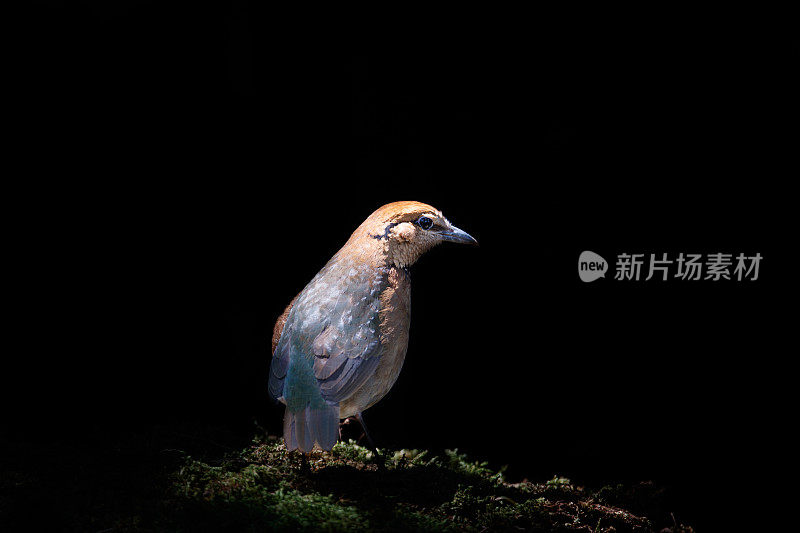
394,324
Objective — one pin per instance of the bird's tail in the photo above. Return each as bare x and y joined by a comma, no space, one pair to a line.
311,425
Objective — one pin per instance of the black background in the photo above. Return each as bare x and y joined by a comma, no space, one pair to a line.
185,169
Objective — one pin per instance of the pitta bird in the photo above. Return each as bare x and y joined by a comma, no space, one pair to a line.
340,344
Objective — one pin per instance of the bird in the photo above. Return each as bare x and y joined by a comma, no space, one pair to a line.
339,345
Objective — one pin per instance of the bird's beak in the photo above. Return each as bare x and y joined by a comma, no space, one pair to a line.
453,234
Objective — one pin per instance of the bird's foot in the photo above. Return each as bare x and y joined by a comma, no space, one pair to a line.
305,466
377,456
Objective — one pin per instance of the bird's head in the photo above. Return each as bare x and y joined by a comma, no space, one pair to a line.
409,229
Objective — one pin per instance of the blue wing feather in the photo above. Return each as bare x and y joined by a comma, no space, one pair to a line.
329,347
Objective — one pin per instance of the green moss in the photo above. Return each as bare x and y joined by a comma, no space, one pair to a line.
558,482
350,489
147,483
350,451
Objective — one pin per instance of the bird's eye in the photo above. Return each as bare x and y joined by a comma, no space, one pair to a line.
425,222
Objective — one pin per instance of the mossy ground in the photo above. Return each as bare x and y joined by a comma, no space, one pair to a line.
261,487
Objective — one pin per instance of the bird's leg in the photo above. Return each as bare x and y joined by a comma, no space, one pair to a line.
376,454
305,466
366,433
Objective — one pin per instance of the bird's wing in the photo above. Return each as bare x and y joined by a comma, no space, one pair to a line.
344,358
333,325
280,360
277,369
